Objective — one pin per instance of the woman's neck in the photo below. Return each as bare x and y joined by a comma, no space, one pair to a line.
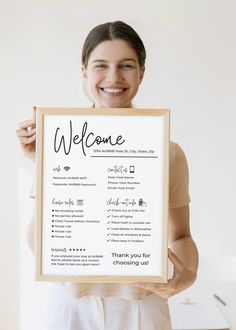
130,106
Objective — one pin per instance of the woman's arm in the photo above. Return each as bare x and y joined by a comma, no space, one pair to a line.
183,254
181,242
26,134
185,258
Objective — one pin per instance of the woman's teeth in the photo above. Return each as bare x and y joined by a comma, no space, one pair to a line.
113,90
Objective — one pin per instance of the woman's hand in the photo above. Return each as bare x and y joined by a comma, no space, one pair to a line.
26,133
181,280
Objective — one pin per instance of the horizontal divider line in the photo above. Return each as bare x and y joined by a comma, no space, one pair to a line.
127,156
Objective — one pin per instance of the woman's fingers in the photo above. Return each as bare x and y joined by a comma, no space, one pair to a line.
27,124
164,290
181,277
27,140
25,132
152,286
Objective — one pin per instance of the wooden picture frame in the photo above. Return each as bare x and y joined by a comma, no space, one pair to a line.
102,192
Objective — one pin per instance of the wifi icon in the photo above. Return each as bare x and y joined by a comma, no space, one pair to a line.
67,168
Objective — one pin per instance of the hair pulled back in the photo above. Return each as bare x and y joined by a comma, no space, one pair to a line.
113,31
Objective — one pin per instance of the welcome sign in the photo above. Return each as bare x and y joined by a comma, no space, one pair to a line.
102,195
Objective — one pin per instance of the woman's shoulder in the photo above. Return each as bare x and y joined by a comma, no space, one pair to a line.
179,177
177,160
176,152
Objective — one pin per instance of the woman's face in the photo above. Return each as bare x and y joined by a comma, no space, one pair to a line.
113,74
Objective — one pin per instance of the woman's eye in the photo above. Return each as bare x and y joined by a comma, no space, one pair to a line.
126,66
101,66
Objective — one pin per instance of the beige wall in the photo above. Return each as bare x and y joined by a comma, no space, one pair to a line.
190,69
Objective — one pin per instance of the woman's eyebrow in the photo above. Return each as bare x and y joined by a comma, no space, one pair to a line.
99,61
128,59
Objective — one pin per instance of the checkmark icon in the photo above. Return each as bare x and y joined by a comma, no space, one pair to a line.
108,228
108,234
108,240
108,222
108,216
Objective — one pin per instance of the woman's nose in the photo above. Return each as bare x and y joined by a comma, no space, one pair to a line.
114,76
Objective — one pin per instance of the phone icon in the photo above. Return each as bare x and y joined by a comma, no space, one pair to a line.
131,169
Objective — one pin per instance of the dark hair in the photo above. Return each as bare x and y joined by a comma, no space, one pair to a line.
112,31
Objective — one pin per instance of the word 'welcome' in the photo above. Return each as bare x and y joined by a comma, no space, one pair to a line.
86,140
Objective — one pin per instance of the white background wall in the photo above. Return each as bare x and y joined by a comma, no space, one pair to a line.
190,69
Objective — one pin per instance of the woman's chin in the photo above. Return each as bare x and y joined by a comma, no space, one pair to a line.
113,104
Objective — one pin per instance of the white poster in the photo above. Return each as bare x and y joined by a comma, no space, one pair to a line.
102,194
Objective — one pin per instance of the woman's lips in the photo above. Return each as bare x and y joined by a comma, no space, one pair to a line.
112,91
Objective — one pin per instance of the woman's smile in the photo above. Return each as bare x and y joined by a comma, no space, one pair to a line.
113,91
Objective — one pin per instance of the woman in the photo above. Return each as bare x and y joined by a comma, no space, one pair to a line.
113,65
